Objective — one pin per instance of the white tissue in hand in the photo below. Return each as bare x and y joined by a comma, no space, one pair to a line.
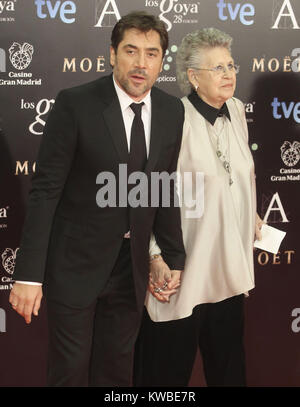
271,239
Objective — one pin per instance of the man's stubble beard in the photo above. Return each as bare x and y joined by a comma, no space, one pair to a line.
127,86
131,90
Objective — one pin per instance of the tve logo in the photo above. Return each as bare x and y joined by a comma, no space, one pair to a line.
287,109
47,8
237,10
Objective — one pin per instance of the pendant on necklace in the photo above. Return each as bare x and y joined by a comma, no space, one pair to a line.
230,181
227,166
219,153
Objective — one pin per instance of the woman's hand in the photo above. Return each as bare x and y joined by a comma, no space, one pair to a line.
258,224
163,282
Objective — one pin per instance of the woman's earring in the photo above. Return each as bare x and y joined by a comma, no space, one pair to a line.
196,87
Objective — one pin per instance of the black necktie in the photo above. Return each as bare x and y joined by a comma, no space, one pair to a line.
138,153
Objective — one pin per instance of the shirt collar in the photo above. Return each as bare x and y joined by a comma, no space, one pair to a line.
210,113
125,100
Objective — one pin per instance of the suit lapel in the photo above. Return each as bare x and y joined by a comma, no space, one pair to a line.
114,120
156,132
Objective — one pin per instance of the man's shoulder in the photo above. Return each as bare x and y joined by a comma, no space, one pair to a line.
93,88
163,94
165,98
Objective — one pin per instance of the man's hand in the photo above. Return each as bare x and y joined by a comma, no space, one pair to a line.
163,282
26,299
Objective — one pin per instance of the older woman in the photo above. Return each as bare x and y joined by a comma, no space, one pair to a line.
207,310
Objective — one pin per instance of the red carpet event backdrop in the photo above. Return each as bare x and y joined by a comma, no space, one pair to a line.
46,46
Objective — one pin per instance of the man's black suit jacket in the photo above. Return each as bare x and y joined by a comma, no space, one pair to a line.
69,243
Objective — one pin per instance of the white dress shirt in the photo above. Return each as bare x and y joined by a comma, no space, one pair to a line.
128,116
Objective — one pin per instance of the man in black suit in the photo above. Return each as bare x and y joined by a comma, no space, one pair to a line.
92,260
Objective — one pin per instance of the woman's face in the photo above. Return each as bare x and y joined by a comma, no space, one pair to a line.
215,87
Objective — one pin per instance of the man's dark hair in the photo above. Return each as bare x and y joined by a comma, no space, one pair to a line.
143,22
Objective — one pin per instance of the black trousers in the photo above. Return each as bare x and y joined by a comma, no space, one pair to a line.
94,346
165,351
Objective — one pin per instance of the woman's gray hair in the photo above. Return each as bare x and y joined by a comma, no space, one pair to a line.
192,49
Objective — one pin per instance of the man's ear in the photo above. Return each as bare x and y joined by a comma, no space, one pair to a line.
112,58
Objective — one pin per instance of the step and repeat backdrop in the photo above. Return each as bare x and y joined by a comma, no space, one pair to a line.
46,46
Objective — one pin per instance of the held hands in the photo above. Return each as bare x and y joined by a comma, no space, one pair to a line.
163,282
26,300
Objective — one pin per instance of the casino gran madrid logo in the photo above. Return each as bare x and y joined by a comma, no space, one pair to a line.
9,260
20,57
173,12
290,155
7,11
8,257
